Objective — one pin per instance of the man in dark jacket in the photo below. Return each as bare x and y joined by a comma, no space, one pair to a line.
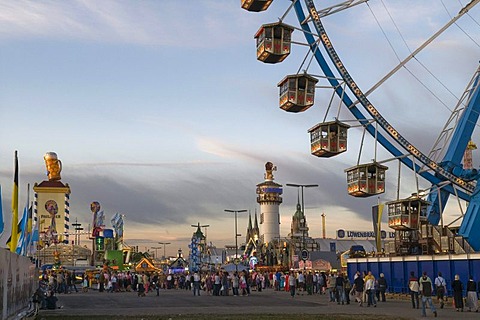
426,289
382,287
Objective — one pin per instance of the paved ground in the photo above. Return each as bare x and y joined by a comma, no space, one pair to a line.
171,302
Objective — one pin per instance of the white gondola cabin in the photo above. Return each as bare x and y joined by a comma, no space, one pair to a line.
407,214
256,5
273,42
297,92
328,139
366,180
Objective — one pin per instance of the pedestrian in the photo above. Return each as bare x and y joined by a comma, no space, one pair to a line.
235,284
340,288
426,289
414,286
196,283
309,283
358,285
472,299
140,287
370,289
457,287
292,282
440,285
301,281
243,284
331,286
382,287
348,289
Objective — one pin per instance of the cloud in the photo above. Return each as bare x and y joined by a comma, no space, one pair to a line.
159,23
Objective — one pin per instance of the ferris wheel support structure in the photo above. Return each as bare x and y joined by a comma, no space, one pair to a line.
441,171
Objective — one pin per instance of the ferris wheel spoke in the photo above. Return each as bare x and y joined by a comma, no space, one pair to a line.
423,46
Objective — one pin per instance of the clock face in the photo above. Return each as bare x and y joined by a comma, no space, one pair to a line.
51,207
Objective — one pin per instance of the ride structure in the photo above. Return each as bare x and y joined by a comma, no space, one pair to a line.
414,219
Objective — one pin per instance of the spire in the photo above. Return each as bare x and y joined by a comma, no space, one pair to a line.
299,207
256,222
249,221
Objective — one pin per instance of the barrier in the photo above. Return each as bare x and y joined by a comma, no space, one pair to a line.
18,282
397,269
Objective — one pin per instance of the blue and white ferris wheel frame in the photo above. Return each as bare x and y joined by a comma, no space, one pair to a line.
447,176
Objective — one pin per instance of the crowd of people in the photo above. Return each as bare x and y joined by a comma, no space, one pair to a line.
363,289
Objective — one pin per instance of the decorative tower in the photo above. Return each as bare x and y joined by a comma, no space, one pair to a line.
269,198
52,204
197,247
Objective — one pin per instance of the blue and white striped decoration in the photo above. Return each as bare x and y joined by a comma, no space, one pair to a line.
67,216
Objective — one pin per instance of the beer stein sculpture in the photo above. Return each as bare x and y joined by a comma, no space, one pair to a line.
54,166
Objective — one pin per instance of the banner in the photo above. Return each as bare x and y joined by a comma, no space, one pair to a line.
377,224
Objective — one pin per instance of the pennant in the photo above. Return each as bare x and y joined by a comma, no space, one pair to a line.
14,236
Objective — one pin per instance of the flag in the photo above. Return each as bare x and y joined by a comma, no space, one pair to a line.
14,236
2,224
22,239
9,240
377,224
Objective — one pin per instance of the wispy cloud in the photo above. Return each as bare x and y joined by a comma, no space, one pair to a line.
159,23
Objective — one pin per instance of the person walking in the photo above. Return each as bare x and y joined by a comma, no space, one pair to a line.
472,299
331,286
340,288
457,287
292,282
348,288
414,286
358,285
370,289
426,289
440,285
196,284
382,287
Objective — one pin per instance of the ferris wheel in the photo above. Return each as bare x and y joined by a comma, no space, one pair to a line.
445,165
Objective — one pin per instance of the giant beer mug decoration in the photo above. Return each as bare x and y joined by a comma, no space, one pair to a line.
54,166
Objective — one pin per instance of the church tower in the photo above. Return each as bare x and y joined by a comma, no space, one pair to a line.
269,197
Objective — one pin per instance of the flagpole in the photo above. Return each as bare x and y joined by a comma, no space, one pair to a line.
2,223
14,237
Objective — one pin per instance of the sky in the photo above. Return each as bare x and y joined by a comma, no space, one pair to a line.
160,111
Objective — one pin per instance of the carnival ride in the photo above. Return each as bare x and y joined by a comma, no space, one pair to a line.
415,219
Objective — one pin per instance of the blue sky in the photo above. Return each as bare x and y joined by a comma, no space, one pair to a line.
159,110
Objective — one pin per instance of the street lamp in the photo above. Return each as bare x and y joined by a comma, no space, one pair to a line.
302,221
155,248
236,236
77,228
164,246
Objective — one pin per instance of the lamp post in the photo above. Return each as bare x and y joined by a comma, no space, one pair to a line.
236,236
164,246
156,248
302,221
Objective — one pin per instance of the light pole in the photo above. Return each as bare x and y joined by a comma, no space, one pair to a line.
236,235
302,221
164,246
155,248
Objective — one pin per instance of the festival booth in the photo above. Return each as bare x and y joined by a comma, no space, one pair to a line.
146,265
179,265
